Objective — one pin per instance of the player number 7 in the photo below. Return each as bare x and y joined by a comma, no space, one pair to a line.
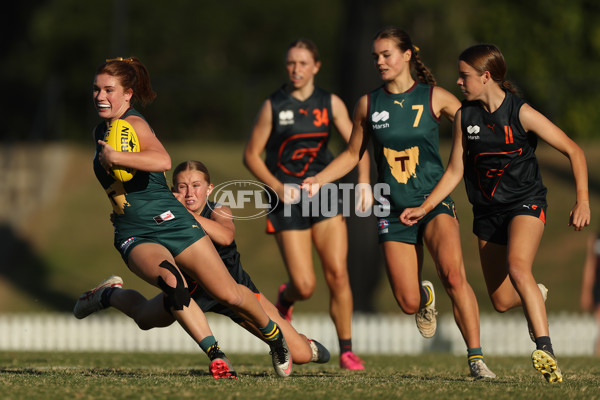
419,108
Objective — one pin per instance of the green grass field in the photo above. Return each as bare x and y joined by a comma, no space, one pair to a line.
173,376
66,246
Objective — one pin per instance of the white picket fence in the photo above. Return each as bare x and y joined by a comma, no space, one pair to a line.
572,334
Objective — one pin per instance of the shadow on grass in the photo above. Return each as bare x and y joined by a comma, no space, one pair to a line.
440,378
21,371
28,272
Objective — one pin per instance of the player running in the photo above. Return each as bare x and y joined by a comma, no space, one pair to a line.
155,234
495,137
293,129
402,118
191,186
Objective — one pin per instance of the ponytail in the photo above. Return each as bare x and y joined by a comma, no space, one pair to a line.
423,73
488,57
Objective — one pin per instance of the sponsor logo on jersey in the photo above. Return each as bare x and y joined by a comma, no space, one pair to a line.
399,103
166,216
286,117
382,226
473,132
127,243
377,117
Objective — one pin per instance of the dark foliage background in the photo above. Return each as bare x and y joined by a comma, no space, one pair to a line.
212,63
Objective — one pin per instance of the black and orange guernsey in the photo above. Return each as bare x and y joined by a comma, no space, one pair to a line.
501,169
232,260
297,147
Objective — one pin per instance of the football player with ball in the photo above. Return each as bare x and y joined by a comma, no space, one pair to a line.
155,234
192,186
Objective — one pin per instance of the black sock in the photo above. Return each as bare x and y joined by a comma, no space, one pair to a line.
544,343
105,296
345,345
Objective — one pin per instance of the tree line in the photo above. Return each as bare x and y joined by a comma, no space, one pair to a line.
213,63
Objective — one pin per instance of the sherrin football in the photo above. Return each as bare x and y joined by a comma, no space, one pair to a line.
122,137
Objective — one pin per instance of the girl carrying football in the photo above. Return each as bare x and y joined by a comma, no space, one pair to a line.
155,234
191,186
495,137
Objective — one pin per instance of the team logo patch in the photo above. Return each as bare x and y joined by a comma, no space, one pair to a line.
490,169
125,245
166,216
403,164
382,226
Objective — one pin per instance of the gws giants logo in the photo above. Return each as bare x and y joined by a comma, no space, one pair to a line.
297,152
246,199
286,117
380,117
490,168
473,132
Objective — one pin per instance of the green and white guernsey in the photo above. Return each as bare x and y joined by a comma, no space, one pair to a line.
406,144
145,209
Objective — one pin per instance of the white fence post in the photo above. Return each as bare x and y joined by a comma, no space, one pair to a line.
572,334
